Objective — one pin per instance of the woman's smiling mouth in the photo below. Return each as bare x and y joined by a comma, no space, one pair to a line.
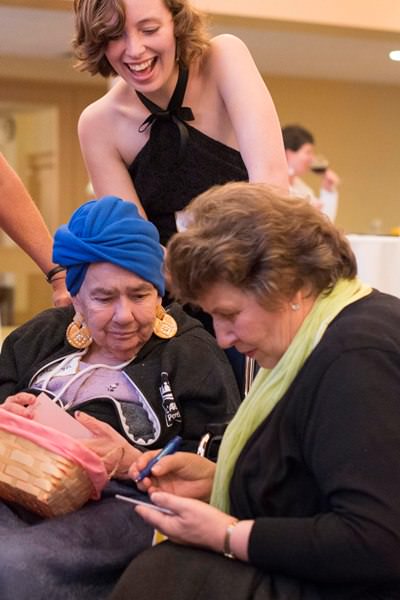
140,68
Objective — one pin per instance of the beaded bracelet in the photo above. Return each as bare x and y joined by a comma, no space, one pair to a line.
227,540
54,271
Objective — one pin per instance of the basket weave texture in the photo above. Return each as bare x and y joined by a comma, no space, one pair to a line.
39,479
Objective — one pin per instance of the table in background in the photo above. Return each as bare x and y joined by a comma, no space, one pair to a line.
378,260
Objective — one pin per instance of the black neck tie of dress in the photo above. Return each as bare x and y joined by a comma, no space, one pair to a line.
175,112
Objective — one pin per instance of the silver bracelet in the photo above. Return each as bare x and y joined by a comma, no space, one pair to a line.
227,540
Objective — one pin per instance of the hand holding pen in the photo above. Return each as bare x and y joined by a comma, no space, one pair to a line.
183,474
171,447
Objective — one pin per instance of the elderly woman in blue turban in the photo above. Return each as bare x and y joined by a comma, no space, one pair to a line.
132,372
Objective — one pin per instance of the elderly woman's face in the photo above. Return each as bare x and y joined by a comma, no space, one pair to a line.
240,321
119,308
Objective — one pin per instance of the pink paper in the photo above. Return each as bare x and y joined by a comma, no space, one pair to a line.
49,413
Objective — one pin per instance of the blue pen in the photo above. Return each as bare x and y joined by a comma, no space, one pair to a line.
169,448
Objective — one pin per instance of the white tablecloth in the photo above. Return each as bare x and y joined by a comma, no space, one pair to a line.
378,259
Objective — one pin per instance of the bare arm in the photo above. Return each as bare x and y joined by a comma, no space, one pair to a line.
98,129
251,110
22,221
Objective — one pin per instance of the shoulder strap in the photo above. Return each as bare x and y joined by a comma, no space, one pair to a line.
176,98
174,112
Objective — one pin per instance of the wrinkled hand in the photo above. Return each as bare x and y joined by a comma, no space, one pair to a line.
194,522
114,450
182,473
22,404
61,296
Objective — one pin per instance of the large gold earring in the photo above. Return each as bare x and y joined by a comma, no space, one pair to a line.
78,334
165,326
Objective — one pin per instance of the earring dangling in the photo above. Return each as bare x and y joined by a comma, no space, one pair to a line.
78,334
165,326
295,306
177,51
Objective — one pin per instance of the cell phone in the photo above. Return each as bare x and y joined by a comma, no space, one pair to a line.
166,511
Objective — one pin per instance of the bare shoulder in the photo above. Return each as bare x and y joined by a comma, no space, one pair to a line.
227,41
91,115
227,47
113,105
228,63
113,120
226,59
218,60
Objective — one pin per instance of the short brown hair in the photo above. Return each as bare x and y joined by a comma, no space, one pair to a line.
295,136
97,22
259,240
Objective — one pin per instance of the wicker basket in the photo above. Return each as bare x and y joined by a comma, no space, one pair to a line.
40,480
45,470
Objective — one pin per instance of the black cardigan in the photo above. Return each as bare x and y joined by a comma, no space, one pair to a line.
200,375
321,475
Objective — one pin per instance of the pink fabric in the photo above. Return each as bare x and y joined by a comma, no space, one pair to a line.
60,443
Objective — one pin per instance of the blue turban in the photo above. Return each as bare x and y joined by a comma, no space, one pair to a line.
109,230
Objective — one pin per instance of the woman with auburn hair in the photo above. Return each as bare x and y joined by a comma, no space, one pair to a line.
305,490
186,112
189,29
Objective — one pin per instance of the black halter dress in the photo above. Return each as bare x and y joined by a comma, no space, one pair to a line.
178,162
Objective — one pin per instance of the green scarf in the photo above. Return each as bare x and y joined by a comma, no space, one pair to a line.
270,385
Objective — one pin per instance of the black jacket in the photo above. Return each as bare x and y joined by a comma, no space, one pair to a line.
321,474
201,379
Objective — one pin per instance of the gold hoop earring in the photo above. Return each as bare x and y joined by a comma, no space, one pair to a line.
165,326
78,334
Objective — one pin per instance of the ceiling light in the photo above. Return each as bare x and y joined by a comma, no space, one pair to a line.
394,55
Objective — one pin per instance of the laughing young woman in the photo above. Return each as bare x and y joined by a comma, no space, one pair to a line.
187,112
